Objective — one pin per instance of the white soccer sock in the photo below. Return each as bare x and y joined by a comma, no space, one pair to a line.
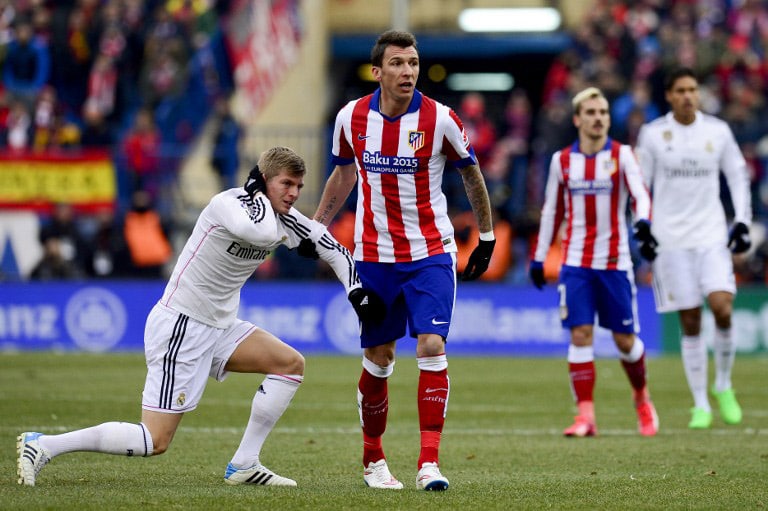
580,354
694,354
122,438
269,403
637,350
725,352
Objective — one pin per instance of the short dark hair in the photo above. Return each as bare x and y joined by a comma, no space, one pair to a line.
274,160
390,38
676,74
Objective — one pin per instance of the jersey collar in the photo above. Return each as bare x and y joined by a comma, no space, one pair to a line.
576,149
696,119
413,107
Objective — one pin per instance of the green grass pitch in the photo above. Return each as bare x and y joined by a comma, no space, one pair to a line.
502,445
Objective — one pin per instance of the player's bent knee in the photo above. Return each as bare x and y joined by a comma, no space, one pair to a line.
289,361
161,445
297,364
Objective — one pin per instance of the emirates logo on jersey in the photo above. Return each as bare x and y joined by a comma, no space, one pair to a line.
416,139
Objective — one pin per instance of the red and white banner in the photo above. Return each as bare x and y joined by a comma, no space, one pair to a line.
263,38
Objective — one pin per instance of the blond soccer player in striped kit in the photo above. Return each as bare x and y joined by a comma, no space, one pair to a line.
588,187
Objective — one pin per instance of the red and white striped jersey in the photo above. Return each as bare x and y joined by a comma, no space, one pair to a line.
591,193
402,214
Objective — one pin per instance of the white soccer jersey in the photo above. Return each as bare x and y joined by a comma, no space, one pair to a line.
682,167
591,193
232,237
402,212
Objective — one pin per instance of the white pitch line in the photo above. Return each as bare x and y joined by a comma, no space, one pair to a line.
329,406
309,430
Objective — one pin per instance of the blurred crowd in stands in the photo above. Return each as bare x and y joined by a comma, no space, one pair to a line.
134,78
626,49
114,74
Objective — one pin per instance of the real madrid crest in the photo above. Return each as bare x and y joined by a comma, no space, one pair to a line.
667,135
181,399
709,147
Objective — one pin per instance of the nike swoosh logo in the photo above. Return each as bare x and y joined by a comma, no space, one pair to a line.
362,137
430,390
436,322
626,321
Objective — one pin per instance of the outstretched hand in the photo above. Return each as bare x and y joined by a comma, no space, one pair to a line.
370,308
479,260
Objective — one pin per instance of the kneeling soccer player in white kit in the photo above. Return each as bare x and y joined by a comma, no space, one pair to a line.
193,332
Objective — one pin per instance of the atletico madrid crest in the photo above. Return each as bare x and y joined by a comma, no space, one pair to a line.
416,139
611,166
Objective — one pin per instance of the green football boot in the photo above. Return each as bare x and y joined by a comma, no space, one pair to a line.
700,419
730,410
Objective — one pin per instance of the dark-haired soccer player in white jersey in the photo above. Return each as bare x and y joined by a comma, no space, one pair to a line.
193,332
395,143
589,185
682,155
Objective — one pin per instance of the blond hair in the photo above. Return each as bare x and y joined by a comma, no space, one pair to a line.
277,159
588,93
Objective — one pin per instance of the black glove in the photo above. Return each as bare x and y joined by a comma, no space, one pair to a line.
368,306
738,239
536,272
255,182
648,243
307,249
478,260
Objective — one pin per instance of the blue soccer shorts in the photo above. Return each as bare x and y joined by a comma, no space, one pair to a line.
611,294
420,294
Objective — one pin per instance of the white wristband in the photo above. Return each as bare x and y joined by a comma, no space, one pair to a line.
487,236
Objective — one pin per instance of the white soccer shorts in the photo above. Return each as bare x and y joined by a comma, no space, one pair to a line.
181,354
683,277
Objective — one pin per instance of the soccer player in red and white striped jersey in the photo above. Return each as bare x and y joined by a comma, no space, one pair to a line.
395,144
588,187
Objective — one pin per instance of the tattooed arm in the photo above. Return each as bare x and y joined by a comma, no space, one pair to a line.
337,189
474,184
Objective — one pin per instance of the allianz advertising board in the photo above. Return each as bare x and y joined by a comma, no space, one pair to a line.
315,318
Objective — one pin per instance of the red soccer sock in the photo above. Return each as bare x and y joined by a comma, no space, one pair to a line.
374,404
372,450
635,372
583,377
433,399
